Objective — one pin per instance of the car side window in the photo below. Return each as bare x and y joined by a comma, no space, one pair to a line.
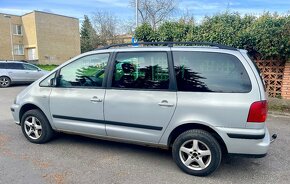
29,67
210,72
87,71
141,70
15,66
3,66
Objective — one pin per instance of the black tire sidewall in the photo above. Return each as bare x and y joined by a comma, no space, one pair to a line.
206,138
46,133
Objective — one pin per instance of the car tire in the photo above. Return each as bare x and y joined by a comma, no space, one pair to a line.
35,127
197,152
5,82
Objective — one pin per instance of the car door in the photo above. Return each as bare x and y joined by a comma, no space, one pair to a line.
140,101
16,72
76,104
32,72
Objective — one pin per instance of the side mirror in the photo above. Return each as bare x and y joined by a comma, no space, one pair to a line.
52,82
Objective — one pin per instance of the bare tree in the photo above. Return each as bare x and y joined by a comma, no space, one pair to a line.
154,11
187,17
106,26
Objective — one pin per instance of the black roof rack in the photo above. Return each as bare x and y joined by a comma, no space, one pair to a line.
170,44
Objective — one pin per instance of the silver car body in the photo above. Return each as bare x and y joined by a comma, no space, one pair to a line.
22,75
139,115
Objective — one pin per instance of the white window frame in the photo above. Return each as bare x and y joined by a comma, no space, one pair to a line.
16,29
18,49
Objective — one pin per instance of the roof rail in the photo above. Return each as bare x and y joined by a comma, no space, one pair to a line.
170,44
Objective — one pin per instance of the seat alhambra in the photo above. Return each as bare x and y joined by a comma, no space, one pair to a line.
201,102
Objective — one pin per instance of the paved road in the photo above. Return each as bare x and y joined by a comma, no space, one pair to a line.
75,159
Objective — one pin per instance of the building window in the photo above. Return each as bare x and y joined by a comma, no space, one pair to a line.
17,29
18,50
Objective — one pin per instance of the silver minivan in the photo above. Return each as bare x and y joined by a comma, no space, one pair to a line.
201,102
13,72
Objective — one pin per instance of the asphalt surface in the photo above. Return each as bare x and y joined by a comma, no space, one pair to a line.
76,159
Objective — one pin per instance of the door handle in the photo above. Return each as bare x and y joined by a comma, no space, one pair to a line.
164,103
96,99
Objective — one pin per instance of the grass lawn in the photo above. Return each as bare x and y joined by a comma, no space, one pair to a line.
47,67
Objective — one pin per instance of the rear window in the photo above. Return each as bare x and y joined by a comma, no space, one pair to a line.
2,65
16,66
210,72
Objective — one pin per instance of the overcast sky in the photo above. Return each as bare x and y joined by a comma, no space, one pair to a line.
121,8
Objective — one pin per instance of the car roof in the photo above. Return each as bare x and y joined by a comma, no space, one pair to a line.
164,49
8,61
167,46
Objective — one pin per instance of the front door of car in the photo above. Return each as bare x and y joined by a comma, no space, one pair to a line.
76,104
140,103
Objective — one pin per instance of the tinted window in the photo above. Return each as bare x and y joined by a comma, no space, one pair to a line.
16,66
210,72
29,67
2,65
87,71
143,70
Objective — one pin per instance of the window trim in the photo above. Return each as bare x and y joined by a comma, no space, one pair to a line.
84,87
17,53
171,86
16,25
213,92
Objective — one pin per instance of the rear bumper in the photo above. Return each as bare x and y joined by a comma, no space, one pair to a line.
15,108
250,142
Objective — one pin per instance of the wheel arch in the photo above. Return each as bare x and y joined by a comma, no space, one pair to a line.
188,126
5,76
27,107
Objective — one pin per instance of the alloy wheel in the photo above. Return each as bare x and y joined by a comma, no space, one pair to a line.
4,81
195,154
32,127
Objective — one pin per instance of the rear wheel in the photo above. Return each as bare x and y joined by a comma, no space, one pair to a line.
5,82
36,127
197,152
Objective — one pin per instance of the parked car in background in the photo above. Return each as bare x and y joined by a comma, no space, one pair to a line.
200,102
12,72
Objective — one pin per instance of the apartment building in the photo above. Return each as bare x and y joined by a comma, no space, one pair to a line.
39,37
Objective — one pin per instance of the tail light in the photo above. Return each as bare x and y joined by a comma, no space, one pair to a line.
258,111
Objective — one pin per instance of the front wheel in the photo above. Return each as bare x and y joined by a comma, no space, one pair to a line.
36,127
197,152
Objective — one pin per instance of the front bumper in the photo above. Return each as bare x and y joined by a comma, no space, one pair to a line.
15,108
255,142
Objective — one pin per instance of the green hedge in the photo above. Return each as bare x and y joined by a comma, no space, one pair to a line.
265,37
47,67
